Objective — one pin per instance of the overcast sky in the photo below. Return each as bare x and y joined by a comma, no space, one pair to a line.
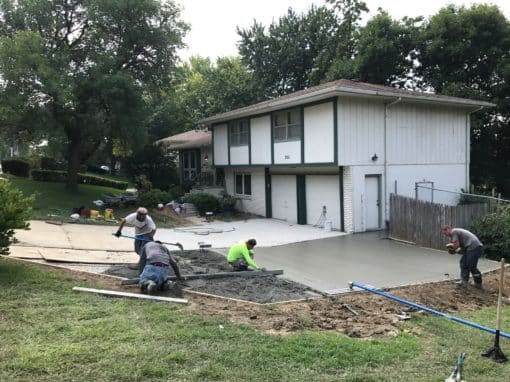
213,22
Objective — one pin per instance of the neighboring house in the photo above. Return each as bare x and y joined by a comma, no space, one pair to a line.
194,158
345,146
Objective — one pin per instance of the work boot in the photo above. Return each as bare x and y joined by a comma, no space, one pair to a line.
173,288
462,284
151,287
478,285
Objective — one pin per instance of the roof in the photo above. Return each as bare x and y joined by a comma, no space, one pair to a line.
343,88
192,139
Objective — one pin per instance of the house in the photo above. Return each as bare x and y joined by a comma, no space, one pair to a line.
194,159
336,151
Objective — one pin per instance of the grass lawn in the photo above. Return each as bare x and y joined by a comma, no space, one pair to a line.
54,202
50,333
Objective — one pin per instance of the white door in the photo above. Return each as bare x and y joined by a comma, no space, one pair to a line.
372,203
323,191
284,197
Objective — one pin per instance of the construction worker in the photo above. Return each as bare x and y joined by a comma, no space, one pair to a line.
144,227
155,260
240,256
466,243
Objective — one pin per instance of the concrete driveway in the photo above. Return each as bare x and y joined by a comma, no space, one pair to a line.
368,258
326,261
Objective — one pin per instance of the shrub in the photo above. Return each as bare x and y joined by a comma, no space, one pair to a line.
494,232
16,167
142,184
228,203
14,212
61,176
204,202
51,164
152,198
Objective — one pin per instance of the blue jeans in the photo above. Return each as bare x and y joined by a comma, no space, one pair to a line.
140,243
154,273
469,264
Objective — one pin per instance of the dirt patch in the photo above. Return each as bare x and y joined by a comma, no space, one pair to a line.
377,316
262,289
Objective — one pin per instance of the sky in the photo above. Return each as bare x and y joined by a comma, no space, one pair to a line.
213,22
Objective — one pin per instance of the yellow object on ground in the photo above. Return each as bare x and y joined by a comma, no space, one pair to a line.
108,214
94,214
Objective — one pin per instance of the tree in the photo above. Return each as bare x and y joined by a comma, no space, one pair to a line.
14,212
83,67
465,52
386,50
284,57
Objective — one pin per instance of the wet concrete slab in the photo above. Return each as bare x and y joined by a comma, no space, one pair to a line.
368,258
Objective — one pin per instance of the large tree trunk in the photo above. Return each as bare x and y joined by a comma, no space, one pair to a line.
73,165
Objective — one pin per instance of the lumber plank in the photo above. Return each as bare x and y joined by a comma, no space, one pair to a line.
131,295
215,276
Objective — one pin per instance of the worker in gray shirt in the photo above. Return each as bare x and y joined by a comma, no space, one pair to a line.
465,242
155,264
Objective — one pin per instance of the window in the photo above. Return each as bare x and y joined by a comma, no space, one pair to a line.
287,125
239,133
243,184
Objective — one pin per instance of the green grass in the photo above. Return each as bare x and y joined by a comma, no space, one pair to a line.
54,202
50,333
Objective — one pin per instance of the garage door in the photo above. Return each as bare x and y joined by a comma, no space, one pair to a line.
284,197
323,190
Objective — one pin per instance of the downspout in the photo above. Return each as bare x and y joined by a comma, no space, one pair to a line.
386,198
468,145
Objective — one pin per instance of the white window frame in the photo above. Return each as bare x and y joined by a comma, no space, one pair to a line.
239,132
243,176
287,125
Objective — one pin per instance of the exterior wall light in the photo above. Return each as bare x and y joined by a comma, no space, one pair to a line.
374,157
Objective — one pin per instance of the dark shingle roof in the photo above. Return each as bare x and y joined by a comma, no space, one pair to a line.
340,87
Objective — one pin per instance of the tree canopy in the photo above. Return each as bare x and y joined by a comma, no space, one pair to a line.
83,67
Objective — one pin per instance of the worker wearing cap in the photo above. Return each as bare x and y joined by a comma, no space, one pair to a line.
144,227
240,256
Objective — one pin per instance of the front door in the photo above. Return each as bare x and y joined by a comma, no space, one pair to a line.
190,164
372,202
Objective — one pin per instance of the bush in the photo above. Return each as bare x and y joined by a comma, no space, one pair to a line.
14,212
228,203
204,202
150,199
51,164
61,176
16,167
494,232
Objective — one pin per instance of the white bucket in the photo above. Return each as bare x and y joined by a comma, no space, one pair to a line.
328,226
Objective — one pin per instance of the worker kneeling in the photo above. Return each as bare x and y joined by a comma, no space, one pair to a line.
240,256
155,264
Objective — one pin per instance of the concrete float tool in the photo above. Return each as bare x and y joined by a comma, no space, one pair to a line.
353,285
495,352
162,242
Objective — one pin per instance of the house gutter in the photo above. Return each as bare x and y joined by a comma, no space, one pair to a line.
386,196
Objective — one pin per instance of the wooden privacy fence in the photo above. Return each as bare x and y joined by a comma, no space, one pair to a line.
420,222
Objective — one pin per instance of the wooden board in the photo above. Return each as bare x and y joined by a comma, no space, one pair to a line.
131,295
87,257
25,252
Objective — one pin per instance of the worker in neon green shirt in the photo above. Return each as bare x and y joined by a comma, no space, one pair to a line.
240,256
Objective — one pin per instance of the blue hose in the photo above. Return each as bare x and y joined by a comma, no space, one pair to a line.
445,315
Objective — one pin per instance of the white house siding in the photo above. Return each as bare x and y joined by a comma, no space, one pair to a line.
220,145
256,203
451,177
319,135
323,190
287,152
260,129
284,197
424,134
239,155
360,131
348,194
